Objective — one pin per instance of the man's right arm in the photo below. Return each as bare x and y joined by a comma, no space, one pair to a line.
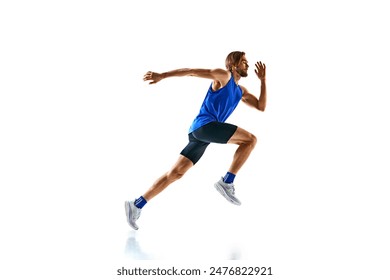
220,75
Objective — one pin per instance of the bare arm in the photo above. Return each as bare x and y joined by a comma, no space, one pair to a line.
251,100
219,75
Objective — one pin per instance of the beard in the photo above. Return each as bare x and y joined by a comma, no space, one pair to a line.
242,73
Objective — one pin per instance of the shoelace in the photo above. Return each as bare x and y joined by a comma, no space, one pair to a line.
137,213
231,189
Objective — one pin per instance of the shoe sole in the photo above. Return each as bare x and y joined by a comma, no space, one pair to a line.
128,214
221,190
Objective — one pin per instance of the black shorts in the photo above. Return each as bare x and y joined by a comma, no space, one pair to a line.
214,132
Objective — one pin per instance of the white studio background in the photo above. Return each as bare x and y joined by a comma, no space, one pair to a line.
81,132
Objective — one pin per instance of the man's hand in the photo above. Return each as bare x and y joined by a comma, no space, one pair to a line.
260,70
153,77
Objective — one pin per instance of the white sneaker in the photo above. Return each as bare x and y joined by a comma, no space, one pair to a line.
227,190
132,213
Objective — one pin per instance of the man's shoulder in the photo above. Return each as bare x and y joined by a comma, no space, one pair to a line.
223,76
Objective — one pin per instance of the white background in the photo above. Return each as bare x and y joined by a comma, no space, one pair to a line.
81,132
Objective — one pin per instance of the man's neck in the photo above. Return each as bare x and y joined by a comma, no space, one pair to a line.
236,77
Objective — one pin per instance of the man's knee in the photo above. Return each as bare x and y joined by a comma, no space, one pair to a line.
252,140
180,168
249,139
245,138
176,173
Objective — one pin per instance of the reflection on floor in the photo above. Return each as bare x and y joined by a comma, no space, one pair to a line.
135,251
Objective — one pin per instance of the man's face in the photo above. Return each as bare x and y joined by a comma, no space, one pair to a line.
242,67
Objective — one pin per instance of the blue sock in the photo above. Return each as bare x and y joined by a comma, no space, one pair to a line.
229,178
140,202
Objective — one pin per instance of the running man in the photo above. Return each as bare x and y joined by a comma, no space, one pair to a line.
209,126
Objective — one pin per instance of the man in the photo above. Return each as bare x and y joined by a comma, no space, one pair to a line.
209,126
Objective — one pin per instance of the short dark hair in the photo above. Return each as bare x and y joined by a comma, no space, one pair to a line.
233,58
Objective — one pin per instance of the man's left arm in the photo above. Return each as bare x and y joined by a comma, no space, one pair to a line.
251,100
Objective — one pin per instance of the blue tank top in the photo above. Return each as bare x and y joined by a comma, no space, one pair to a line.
218,105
